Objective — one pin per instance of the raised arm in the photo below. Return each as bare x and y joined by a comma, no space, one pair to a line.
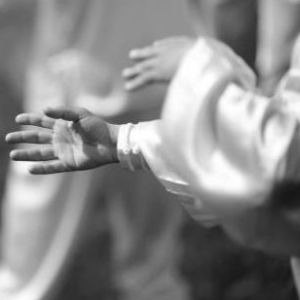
233,150
238,150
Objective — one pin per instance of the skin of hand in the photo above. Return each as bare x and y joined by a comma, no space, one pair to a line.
68,139
157,63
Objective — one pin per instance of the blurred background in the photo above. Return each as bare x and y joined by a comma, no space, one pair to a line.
110,234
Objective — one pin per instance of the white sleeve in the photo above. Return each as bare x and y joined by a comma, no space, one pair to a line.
140,146
238,151
218,140
233,146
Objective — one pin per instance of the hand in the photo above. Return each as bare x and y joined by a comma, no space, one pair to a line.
156,63
71,139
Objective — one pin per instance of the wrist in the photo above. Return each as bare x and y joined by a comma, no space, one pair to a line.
128,148
114,133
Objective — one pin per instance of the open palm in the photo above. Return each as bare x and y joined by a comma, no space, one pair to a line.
68,140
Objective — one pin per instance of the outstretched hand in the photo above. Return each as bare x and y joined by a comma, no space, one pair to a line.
156,63
68,140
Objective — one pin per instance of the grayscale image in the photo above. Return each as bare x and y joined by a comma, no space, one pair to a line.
149,149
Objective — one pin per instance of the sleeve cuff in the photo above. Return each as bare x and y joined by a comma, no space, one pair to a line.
128,150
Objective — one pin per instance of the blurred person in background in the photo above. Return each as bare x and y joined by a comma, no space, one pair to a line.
77,50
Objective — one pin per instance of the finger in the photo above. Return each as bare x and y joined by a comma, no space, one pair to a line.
30,136
68,114
174,39
139,68
143,53
35,120
49,168
39,154
130,72
162,42
140,81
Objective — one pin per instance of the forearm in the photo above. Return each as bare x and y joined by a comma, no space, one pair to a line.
229,147
237,149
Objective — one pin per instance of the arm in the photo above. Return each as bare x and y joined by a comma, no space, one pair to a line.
235,148
230,148
74,139
224,145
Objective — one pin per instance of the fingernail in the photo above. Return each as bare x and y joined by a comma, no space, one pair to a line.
17,118
133,53
125,72
12,154
128,86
